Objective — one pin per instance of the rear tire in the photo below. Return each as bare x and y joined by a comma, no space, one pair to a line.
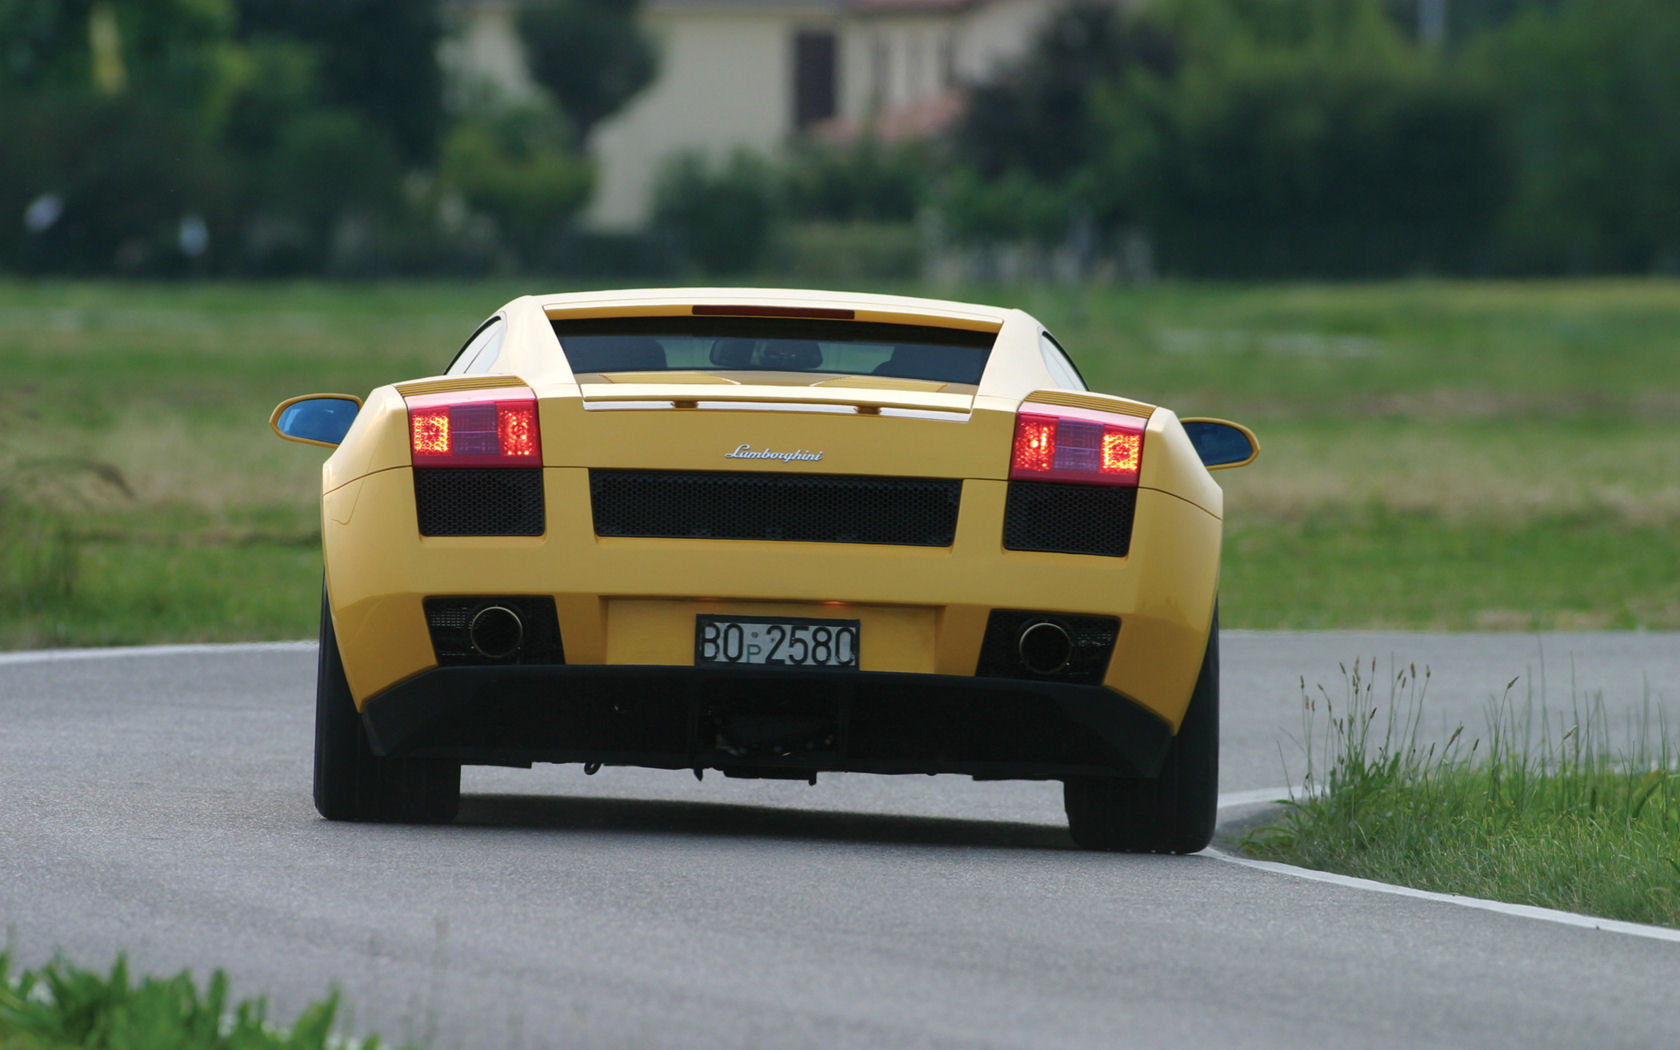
353,783
1174,812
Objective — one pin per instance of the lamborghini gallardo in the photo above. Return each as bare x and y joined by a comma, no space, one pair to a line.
773,534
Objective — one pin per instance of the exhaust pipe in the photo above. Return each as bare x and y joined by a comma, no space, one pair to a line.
1044,646
496,632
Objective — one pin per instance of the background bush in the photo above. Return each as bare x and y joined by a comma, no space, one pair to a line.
1200,138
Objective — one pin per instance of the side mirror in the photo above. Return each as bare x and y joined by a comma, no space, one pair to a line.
1220,443
316,419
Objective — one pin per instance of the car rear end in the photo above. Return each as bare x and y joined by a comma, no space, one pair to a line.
767,569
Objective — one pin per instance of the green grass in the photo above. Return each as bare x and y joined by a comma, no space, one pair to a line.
63,1007
1544,809
1436,454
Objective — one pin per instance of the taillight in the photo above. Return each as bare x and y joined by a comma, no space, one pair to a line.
475,428
1079,445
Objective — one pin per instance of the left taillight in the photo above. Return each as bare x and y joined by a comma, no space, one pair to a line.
475,428
1076,445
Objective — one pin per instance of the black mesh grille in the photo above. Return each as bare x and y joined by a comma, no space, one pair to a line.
1092,639
449,620
817,508
1069,519
479,501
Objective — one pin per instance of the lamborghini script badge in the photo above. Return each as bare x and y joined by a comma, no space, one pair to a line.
748,452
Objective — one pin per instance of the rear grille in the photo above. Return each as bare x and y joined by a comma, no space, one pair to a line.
479,501
1069,519
815,508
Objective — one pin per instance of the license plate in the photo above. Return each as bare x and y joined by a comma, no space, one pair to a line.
779,641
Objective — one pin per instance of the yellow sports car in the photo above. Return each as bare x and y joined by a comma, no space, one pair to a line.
771,533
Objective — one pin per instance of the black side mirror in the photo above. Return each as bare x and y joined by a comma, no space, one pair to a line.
1221,444
316,419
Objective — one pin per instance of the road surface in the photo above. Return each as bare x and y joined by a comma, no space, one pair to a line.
157,802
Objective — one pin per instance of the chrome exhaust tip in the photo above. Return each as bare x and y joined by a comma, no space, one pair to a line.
496,632
1044,647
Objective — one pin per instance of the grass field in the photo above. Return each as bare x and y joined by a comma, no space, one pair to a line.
1437,455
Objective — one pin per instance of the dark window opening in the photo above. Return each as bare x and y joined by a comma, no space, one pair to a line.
814,69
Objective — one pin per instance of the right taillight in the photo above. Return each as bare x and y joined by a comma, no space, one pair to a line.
1077,445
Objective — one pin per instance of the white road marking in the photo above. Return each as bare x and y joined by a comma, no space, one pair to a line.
41,656
1238,799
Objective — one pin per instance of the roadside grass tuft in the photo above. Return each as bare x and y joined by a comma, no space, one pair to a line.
64,1007
1544,809
40,549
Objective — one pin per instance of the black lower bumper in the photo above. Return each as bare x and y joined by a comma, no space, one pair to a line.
766,722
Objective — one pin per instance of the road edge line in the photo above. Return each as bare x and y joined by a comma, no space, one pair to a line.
1239,799
42,656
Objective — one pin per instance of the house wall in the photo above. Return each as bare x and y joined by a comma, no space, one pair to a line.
892,61
483,47
725,83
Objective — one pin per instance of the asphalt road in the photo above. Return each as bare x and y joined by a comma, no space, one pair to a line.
158,803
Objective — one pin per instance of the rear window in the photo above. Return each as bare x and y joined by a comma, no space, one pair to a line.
757,344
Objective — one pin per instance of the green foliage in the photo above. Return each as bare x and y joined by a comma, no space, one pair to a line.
169,136
1011,207
110,178
330,183
1592,97
720,216
869,181
1284,137
515,166
63,1007
276,81
376,58
1308,162
1033,117
590,54
1220,30
167,49
1543,810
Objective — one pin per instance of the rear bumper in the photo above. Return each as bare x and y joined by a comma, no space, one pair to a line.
767,722
626,602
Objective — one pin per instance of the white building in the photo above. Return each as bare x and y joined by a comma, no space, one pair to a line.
758,74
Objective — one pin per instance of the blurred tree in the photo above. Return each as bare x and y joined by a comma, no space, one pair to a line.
1242,137
1462,21
101,183
1302,163
868,181
591,54
1592,95
173,51
376,57
110,112
720,217
515,166
1034,116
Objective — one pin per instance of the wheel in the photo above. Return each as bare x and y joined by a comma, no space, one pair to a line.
1173,812
353,783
